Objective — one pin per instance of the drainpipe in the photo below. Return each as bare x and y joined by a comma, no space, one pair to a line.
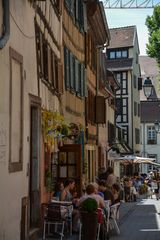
6,24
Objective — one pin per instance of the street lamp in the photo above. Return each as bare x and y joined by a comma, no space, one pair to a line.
147,87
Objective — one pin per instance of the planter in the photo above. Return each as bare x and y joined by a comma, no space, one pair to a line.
89,222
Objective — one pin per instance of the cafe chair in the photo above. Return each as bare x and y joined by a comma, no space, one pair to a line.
114,215
52,216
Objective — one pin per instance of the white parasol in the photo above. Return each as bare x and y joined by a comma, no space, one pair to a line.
135,159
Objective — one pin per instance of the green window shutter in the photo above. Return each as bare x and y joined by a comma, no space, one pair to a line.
85,17
85,83
82,80
71,70
76,74
66,68
79,78
76,10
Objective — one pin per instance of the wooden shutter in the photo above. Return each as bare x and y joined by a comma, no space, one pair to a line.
85,83
111,133
82,81
53,69
49,65
45,59
139,83
100,109
66,68
85,17
60,78
56,72
71,70
79,78
76,74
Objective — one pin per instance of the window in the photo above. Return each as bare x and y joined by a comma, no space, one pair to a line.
74,73
112,55
135,109
122,79
49,67
122,110
124,54
151,135
90,107
16,110
118,106
76,11
118,54
111,133
138,110
125,133
137,136
135,81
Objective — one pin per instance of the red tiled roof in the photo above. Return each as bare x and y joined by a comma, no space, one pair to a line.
122,37
150,111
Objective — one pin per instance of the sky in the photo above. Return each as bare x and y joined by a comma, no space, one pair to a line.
130,17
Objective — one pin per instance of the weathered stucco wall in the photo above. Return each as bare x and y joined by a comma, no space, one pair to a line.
14,186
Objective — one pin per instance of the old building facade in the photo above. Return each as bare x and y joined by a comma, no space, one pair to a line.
57,101
123,60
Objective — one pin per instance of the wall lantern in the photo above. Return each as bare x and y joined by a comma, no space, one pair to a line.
147,87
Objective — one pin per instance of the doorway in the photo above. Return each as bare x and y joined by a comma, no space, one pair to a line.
34,170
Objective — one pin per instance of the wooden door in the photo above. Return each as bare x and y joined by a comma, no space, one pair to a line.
34,172
70,163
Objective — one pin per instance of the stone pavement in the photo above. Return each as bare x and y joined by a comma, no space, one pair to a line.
141,222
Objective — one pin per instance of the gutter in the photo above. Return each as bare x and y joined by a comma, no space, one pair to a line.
6,24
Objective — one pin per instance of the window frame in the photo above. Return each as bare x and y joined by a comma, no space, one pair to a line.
153,138
18,165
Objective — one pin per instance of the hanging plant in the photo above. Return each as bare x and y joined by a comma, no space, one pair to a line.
75,130
53,126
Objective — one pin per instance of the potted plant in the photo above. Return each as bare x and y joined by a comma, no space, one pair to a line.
89,218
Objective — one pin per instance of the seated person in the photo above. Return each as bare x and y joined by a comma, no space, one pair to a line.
116,192
108,195
91,192
58,188
127,189
65,194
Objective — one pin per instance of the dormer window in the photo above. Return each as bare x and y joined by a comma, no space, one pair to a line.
116,54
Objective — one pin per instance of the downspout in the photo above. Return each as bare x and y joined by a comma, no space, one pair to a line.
6,24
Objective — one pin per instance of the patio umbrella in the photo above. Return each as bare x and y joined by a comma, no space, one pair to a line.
134,159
